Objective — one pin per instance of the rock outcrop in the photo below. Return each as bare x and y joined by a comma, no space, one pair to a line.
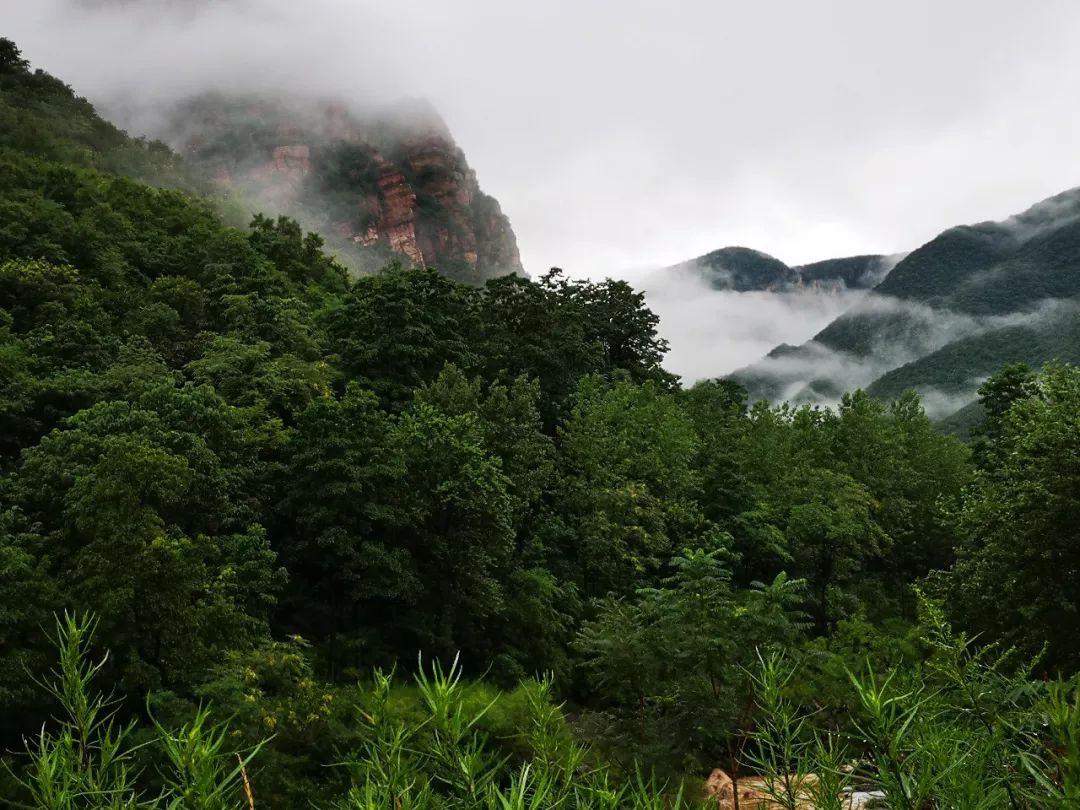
754,793
376,187
282,176
389,214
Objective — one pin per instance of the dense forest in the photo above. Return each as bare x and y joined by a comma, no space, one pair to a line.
274,536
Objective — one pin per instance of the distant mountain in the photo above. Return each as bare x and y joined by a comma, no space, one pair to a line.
740,269
947,316
743,269
377,185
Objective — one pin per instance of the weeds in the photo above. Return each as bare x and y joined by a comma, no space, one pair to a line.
969,730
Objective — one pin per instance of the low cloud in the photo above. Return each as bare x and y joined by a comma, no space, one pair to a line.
1044,216
714,332
939,403
876,272
816,373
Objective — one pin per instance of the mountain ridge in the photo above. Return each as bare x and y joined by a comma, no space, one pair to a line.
743,269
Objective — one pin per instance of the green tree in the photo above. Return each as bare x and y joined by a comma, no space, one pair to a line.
534,626
398,329
1015,574
1014,383
341,499
536,329
830,534
628,482
458,531
618,320
142,516
718,411
669,665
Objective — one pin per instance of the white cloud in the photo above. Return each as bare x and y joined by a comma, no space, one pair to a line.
634,134
922,330
714,332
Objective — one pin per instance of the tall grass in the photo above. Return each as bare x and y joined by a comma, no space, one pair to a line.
970,729
87,761
444,759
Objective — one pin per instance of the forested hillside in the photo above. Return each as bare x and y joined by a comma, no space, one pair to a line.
947,316
275,535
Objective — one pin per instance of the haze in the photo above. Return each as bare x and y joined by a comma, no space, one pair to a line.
638,134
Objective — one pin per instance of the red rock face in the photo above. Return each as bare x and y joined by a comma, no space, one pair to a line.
397,216
439,173
473,228
496,241
424,204
446,225
282,176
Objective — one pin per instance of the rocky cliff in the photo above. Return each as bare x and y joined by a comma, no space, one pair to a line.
379,186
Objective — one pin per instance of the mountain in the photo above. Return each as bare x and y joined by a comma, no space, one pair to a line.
740,269
743,269
947,316
377,185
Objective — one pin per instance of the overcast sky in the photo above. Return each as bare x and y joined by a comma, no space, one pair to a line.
621,134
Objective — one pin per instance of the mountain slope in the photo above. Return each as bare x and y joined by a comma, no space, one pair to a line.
388,187
948,315
854,272
740,269
42,116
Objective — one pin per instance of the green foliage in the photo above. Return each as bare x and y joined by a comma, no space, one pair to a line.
1014,573
200,775
266,478
668,668
40,115
89,761
274,699
629,482
785,751
139,515
445,757
849,500
970,730
397,330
